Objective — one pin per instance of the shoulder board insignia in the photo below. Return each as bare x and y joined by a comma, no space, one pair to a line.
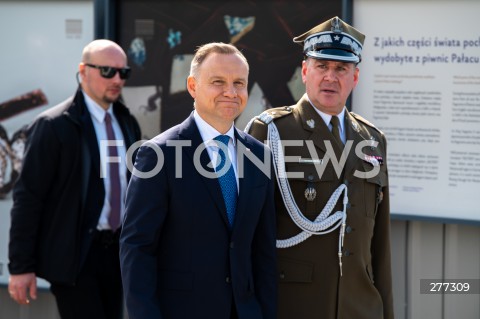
271,114
363,120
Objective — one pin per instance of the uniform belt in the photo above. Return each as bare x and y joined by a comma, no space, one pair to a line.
106,237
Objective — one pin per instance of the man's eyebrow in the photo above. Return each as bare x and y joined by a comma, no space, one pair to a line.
216,77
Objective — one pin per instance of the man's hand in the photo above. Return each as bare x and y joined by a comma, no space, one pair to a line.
20,285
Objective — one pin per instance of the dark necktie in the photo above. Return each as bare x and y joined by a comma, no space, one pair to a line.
115,187
336,130
228,181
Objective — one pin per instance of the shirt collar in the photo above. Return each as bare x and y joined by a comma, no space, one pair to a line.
327,117
96,110
208,132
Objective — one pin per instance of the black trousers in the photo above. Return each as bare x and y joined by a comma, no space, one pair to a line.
98,292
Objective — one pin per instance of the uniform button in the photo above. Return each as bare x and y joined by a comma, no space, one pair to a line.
232,244
348,229
282,275
227,280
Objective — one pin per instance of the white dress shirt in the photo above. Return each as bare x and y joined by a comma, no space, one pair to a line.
327,117
97,114
208,133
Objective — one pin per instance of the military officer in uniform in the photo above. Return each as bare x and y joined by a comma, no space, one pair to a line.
332,199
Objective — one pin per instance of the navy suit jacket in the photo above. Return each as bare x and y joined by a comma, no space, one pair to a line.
179,258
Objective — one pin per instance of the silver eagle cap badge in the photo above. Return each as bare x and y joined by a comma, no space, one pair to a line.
336,28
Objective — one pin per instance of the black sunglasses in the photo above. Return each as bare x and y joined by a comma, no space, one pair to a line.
109,72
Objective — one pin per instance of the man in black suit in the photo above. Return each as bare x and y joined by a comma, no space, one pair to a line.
198,242
68,201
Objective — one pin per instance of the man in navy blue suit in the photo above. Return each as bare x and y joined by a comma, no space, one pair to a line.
192,245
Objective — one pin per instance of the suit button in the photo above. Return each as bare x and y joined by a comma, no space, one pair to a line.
282,275
346,253
348,229
227,280
231,245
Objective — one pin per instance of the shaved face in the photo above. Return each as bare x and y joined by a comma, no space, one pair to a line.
219,89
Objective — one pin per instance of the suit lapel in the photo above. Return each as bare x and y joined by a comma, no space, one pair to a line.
91,139
354,133
189,131
127,133
90,153
246,179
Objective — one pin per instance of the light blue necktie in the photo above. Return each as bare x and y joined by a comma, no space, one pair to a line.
228,181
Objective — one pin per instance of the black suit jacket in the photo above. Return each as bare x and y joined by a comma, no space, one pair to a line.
179,258
59,195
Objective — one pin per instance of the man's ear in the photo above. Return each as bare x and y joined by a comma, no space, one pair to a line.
304,70
192,86
356,76
81,70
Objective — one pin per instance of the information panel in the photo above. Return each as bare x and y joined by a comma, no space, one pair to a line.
420,84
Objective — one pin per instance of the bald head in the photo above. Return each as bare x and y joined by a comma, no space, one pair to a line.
99,47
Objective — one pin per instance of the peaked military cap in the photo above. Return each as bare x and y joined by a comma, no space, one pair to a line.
332,40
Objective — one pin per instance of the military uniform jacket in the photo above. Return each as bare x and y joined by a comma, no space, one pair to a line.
310,284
